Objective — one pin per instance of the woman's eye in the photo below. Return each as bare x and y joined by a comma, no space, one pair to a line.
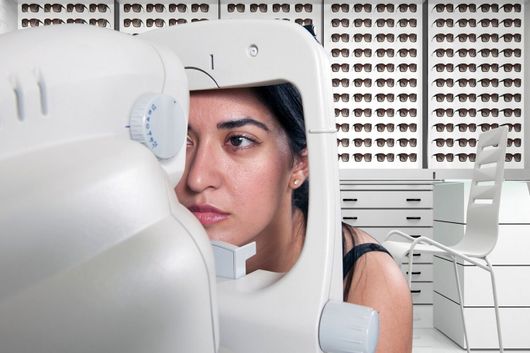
240,141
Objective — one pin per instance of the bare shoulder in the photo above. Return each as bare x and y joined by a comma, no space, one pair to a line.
377,282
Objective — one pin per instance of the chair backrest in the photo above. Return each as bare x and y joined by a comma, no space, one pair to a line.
484,199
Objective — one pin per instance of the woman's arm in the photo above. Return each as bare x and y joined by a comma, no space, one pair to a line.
378,283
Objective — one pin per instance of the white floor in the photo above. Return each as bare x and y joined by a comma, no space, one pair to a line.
428,340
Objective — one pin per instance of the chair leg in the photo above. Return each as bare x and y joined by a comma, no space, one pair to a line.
496,304
460,299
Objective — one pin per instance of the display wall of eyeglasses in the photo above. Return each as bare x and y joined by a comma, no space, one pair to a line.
38,13
414,82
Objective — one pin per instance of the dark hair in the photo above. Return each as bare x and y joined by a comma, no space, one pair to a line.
285,102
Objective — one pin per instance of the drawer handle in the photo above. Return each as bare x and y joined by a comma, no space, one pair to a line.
416,291
350,218
349,200
415,273
416,254
413,218
415,235
413,200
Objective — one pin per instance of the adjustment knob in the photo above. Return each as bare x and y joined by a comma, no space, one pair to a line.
348,328
158,122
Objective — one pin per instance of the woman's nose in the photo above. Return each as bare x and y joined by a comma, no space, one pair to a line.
203,172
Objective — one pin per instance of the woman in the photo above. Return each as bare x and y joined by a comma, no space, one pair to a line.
246,180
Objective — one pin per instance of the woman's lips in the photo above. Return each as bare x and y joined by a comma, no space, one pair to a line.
208,215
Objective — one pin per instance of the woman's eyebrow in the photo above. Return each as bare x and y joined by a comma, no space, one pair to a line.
232,124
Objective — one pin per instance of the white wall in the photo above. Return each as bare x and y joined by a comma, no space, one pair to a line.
8,15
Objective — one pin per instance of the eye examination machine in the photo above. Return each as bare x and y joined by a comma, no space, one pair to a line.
96,253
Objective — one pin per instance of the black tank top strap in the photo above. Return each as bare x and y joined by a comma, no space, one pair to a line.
356,252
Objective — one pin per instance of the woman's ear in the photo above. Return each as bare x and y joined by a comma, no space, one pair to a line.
300,170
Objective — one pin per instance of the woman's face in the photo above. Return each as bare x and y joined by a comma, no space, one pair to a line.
239,173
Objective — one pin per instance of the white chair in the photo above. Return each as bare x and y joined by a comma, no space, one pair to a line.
481,231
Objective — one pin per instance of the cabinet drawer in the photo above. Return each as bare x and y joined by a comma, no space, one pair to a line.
420,272
388,218
422,316
421,292
386,199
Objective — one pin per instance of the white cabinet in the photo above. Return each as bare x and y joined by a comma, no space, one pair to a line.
511,264
377,207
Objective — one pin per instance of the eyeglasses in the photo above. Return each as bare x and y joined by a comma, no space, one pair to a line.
32,7
489,52
403,97
336,22
509,82
237,7
404,82
362,67
183,7
508,97
384,112
463,112
464,82
514,142
362,7
359,82
344,37
135,22
411,37
275,7
54,7
358,157
444,67
463,142
263,7
358,112
359,127
464,157
206,7
345,112
344,127
53,21
381,142
155,7
511,67
132,7
448,37
489,112
440,97
381,22
515,127
340,7
486,82
359,22
345,157
344,142
385,52
440,142
466,37
381,97
175,21
489,7
513,157
344,97
467,67
360,52
338,67
358,142
404,112
381,82
440,127
359,37
384,7
403,142
303,7
462,97
440,157
440,112
509,112
444,52
99,7
440,82
511,7
407,7
158,22
409,67
381,127
344,82
383,67
410,52
359,97
382,156
444,22
485,97
76,20
511,52
509,37
412,22
342,52
76,7
464,22
403,127
304,21
403,157
101,22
